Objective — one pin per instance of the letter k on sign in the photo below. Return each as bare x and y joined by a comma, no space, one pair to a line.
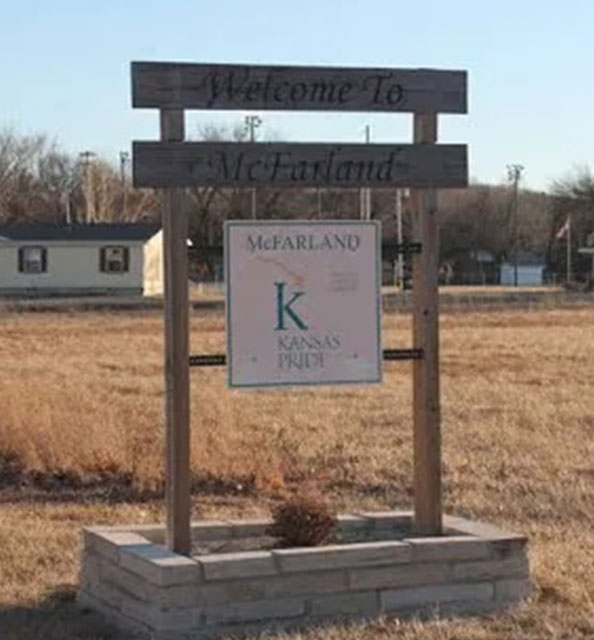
284,308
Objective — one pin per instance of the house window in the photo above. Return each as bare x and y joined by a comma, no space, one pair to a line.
32,259
114,259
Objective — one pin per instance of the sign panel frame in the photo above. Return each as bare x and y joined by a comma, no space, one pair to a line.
272,379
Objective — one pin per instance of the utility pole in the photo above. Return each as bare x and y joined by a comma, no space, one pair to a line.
86,159
251,123
67,210
400,256
365,193
569,249
124,158
514,174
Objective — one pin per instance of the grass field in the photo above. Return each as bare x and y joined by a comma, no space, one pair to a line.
81,443
215,291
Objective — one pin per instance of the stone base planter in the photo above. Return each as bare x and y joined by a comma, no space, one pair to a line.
134,580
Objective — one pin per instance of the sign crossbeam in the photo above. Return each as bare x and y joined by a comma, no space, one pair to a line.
220,359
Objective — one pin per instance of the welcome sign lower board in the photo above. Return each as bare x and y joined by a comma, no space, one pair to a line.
303,303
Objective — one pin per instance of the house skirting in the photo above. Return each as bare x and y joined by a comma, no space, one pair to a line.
47,292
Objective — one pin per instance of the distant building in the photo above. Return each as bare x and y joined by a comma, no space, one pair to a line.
96,259
531,270
469,266
589,250
478,267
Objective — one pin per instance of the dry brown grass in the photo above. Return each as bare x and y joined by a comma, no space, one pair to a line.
81,401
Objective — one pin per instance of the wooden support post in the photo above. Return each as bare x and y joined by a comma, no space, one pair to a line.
177,372
427,436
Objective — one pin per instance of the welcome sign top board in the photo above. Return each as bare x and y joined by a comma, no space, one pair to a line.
303,303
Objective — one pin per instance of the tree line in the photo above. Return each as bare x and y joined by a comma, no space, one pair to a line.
40,182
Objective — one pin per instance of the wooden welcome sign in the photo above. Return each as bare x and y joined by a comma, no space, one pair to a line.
165,85
172,164
184,164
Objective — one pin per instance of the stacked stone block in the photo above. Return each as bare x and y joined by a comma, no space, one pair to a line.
130,576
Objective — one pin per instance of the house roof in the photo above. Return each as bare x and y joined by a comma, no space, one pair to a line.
43,231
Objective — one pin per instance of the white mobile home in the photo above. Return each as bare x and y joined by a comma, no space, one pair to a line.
96,259
530,271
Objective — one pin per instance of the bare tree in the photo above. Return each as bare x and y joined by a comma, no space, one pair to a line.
210,206
572,195
59,184
18,160
40,182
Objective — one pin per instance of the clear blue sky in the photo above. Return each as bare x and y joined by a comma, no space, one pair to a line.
65,69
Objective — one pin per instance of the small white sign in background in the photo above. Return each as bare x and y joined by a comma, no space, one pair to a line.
303,302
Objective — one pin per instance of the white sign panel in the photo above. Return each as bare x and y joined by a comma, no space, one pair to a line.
303,303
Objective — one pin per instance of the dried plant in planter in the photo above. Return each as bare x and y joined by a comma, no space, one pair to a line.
303,520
